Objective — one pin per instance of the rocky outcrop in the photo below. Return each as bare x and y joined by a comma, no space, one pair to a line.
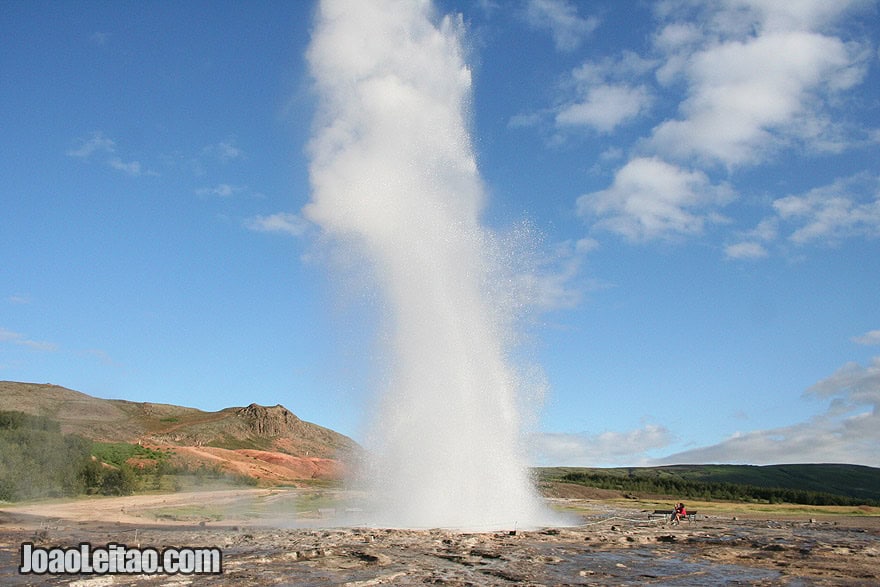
270,421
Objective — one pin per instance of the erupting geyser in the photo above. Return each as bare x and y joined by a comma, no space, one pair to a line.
393,171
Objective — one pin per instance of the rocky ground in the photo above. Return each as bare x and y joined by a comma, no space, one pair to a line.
614,545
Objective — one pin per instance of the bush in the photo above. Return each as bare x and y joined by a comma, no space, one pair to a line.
36,460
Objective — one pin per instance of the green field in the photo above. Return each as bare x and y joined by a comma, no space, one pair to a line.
809,484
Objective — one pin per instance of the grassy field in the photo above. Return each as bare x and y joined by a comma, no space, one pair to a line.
811,484
723,508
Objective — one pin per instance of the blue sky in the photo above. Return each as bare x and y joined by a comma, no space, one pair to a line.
701,180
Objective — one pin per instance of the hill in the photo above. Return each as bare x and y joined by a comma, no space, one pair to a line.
854,483
270,444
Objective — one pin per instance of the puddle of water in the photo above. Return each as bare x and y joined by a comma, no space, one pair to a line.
643,566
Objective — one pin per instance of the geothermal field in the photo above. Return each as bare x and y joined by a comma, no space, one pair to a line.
613,543
444,494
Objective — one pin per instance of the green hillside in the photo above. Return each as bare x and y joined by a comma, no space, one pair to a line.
810,483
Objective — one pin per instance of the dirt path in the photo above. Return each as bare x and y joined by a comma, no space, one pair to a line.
132,509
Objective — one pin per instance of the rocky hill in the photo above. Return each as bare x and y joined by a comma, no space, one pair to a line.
268,443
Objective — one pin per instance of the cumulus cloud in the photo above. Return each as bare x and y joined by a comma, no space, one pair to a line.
753,243
604,107
748,97
869,338
605,449
745,250
846,208
560,18
19,339
605,94
650,198
847,432
283,222
753,79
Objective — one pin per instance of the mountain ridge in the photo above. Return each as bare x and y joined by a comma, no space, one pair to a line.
269,443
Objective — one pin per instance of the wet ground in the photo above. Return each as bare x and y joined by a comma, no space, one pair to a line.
613,546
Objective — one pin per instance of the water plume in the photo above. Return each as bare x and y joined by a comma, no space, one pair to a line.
393,171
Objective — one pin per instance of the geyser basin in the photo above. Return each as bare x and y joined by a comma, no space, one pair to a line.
393,172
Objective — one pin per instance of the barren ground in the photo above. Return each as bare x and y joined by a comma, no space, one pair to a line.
285,537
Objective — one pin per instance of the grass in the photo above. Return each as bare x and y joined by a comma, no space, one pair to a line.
190,513
314,501
731,508
117,453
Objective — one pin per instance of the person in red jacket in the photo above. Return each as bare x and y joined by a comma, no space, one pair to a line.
679,512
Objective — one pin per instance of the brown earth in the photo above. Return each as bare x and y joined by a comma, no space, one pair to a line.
273,537
268,466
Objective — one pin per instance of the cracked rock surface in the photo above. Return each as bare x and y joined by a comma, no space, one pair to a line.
612,546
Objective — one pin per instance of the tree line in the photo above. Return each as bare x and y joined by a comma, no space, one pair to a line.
711,490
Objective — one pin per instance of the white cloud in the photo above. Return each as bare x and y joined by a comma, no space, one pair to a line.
745,250
678,36
804,14
99,143
221,190
869,338
130,167
752,245
225,151
846,208
561,19
284,222
852,385
604,107
651,199
748,79
21,340
604,94
96,143
604,449
847,432
748,97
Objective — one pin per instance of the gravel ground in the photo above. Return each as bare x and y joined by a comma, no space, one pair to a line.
612,546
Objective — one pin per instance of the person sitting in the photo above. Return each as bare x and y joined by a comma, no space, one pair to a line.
678,513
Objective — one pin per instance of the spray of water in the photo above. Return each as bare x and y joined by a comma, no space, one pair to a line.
393,170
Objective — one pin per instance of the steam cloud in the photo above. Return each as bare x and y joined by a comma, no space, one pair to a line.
393,171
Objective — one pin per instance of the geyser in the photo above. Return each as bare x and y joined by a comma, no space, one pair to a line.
393,171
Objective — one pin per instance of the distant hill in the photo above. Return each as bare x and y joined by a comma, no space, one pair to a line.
268,443
855,482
